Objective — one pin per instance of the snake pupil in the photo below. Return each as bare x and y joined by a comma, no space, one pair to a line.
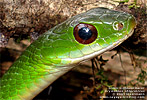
85,33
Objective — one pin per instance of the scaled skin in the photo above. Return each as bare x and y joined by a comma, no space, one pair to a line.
56,52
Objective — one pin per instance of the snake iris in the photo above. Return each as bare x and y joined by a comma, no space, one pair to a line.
58,50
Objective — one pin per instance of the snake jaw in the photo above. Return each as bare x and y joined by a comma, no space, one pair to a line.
115,44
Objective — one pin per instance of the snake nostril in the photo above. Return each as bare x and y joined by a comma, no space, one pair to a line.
118,26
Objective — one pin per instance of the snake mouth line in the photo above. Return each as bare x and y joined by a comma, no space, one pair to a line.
94,54
115,44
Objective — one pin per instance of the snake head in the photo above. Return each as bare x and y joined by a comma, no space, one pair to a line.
87,35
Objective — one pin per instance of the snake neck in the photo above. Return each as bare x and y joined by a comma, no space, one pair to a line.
29,76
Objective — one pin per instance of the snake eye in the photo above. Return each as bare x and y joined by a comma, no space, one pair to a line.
85,33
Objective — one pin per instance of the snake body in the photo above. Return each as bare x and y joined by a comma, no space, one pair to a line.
58,50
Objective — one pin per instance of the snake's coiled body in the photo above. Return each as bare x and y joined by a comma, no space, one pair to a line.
57,51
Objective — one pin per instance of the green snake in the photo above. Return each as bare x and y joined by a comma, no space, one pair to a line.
58,50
